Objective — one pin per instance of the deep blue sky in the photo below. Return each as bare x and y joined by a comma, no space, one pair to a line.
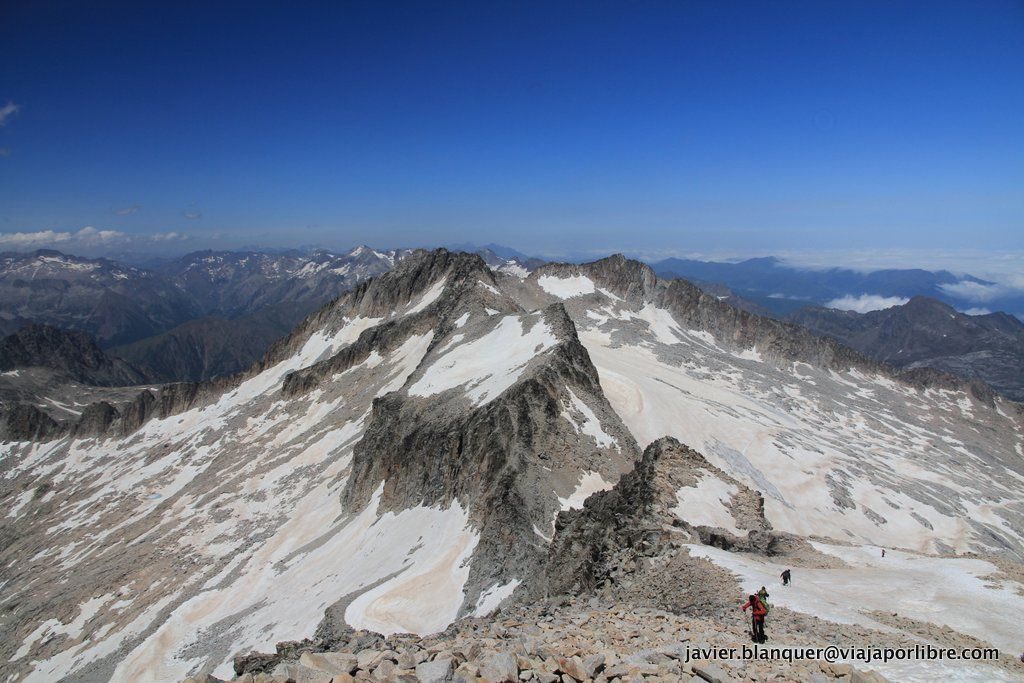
550,126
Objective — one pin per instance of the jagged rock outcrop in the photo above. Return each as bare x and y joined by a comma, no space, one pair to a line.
500,459
774,340
646,512
692,306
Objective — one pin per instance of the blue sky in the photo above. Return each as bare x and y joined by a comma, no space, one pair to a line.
555,127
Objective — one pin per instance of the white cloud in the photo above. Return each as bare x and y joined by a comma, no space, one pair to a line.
976,311
127,210
866,302
975,291
193,215
7,111
86,237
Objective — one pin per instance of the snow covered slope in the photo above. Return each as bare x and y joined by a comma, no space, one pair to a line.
402,458
839,446
239,522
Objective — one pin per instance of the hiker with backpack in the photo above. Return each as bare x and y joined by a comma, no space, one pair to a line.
757,615
785,577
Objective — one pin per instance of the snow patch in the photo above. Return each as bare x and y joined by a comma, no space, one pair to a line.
429,297
491,598
488,365
591,425
566,287
707,504
590,483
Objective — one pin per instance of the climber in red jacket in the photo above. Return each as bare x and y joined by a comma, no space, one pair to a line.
758,613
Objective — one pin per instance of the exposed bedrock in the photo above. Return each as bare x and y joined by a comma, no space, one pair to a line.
503,460
644,514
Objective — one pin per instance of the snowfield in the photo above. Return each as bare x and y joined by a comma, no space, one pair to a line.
954,592
566,287
830,457
478,365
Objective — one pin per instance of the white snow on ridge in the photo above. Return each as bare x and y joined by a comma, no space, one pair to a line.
590,482
591,425
664,327
428,297
514,269
431,548
707,504
566,287
488,365
491,598
23,498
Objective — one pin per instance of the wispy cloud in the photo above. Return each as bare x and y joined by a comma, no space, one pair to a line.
866,302
193,214
127,210
168,237
85,238
976,311
7,111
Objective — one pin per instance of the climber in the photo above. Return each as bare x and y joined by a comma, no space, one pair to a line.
757,613
785,577
762,595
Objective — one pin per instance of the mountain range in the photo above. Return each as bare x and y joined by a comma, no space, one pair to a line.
434,443
782,288
925,332
206,314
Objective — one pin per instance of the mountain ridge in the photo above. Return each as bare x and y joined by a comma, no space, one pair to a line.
380,464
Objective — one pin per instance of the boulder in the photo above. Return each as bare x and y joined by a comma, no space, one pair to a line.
435,671
500,667
333,663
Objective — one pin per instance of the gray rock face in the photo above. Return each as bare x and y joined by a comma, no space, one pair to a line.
25,422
